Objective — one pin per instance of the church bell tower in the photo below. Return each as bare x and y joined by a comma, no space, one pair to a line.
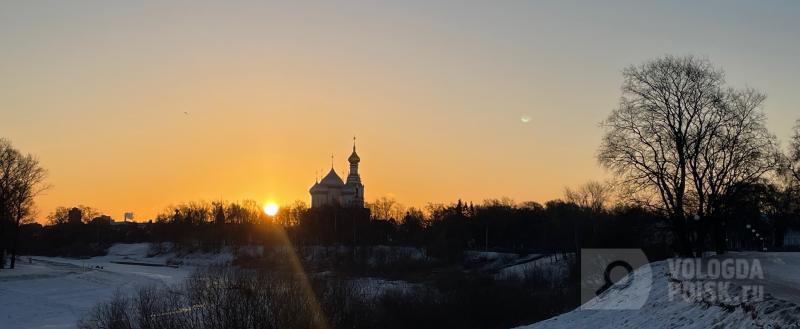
354,188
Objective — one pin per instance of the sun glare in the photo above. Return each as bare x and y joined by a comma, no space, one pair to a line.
271,209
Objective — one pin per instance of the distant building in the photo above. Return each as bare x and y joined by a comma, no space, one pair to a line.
102,219
331,190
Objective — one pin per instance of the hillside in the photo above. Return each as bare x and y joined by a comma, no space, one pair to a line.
778,308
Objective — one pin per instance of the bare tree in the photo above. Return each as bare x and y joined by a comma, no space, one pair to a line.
7,156
681,136
21,179
593,195
291,214
88,214
733,149
793,164
648,140
77,214
385,208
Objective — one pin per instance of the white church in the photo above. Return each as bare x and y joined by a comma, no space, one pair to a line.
331,190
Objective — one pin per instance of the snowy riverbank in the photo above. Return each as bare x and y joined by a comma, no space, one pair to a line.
54,292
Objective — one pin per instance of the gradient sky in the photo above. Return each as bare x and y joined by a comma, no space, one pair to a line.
434,92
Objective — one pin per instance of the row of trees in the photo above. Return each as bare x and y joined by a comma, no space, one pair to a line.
591,215
444,229
21,179
686,144
77,214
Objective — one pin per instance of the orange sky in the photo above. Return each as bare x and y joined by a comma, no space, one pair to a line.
434,93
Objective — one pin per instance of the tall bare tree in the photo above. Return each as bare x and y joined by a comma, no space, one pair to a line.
683,138
793,165
733,149
649,137
21,179
7,156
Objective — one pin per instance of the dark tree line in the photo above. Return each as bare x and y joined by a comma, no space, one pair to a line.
443,229
584,219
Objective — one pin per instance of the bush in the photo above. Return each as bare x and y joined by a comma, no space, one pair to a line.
246,298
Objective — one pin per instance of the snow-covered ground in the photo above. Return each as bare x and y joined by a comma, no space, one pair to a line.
781,273
548,266
370,288
501,263
53,292
777,309
373,255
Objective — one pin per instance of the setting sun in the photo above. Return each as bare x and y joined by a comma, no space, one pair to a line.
271,209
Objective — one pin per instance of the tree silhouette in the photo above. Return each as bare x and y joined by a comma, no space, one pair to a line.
647,141
21,179
794,155
385,208
682,140
734,149
75,215
593,195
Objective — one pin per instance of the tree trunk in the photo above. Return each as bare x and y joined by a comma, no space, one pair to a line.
15,240
681,236
14,247
2,246
701,226
719,236
13,257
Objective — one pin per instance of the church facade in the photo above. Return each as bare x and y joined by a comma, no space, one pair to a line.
332,191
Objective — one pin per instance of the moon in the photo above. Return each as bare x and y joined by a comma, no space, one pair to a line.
525,119
271,209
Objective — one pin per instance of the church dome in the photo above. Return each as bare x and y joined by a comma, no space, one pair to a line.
316,188
354,159
331,180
